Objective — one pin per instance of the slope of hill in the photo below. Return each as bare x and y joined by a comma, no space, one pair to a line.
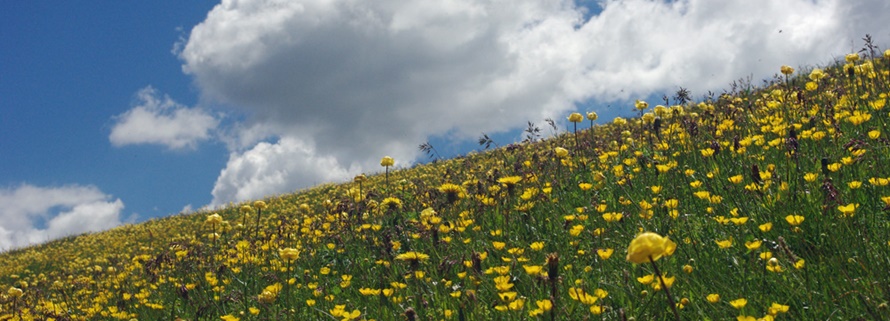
774,200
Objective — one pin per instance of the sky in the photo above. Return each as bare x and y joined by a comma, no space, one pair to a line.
127,111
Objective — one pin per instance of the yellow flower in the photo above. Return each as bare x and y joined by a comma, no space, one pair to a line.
533,270
848,210
649,246
735,179
591,116
537,246
387,161
738,303
604,253
229,317
412,257
810,177
794,220
765,227
612,217
260,205
853,57
787,70
777,308
688,268
214,219
585,186
746,318
561,152
289,254
576,118
723,244
753,245
799,264
646,279
544,305
817,74
874,134
15,292
641,105
713,298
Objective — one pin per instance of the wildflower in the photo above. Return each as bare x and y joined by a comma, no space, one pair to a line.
412,257
777,308
214,219
848,210
561,152
579,295
648,247
387,161
646,279
229,317
713,298
289,254
853,57
15,292
817,74
585,186
799,264
753,245
735,179
641,105
724,244
576,118
591,116
533,270
787,70
537,246
794,220
874,134
738,303
773,266
604,253
612,217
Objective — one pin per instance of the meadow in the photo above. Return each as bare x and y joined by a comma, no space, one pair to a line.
767,201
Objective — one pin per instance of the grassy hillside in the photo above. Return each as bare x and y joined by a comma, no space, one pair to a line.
774,200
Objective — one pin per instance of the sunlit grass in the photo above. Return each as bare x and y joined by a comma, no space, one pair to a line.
775,196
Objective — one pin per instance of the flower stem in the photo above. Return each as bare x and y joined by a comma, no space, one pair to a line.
667,291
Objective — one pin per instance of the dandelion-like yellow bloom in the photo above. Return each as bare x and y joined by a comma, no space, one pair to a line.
753,245
591,116
713,298
848,210
853,57
641,105
649,246
794,220
214,219
724,244
604,254
817,74
289,254
387,161
576,118
260,205
738,303
15,292
412,257
561,152
787,70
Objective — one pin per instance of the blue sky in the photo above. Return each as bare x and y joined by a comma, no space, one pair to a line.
126,111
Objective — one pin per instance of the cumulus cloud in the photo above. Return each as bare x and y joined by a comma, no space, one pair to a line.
350,81
272,168
159,120
31,214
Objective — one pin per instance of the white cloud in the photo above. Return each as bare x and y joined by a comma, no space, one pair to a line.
31,214
160,120
273,168
356,80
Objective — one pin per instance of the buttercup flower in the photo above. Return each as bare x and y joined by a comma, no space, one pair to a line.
649,246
